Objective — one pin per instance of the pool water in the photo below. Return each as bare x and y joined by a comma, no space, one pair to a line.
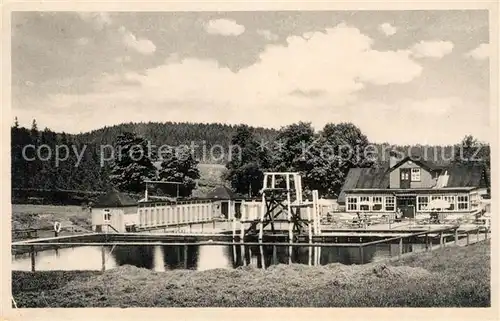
195,257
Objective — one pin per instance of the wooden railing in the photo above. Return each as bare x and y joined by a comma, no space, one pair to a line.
443,234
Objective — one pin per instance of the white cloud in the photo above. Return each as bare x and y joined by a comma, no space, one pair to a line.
313,78
98,19
268,35
387,29
482,52
143,46
436,120
82,41
224,27
435,106
123,59
432,49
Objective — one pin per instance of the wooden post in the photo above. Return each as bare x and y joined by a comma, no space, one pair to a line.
234,241
178,253
103,259
456,236
185,257
427,242
441,241
32,256
468,241
478,234
400,248
248,257
243,218
309,227
275,255
361,254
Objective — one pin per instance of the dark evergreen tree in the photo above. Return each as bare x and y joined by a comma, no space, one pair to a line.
180,167
341,147
132,164
246,168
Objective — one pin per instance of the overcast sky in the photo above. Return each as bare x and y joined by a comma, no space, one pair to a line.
401,76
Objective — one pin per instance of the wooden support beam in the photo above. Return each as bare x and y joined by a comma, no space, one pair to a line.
103,259
33,259
185,257
400,248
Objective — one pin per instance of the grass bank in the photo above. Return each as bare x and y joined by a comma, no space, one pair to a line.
451,277
42,217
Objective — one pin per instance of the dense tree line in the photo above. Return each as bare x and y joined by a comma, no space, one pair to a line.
318,155
324,158
34,165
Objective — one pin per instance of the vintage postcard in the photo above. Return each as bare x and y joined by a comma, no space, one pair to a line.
217,155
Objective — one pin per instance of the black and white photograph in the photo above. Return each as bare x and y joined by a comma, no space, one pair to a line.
250,158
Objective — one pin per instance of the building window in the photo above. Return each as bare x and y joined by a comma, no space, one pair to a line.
364,207
415,174
436,197
389,203
107,216
352,203
451,200
377,203
463,202
423,202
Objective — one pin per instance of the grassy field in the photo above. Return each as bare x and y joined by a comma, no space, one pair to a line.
451,277
43,217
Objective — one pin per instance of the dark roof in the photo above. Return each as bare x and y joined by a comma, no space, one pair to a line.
429,166
460,175
467,175
221,192
365,178
436,156
115,199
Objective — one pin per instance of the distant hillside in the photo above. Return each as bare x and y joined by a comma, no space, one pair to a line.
91,175
173,134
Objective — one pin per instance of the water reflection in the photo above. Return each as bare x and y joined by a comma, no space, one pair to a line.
170,257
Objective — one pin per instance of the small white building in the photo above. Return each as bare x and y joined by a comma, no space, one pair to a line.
226,203
114,212
118,212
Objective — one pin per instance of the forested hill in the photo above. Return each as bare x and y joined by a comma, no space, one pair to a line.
171,133
85,171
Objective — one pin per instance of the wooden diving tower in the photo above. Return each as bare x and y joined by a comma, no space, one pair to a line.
281,202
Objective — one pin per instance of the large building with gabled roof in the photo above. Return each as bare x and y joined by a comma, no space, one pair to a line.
411,183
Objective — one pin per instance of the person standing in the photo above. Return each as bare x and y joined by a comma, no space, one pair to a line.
399,215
